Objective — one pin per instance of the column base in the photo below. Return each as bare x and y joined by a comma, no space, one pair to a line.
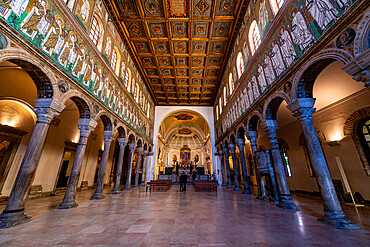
237,189
287,203
115,192
247,191
67,205
127,188
97,196
229,186
339,221
10,219
142,184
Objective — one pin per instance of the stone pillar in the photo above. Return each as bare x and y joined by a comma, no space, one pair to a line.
98,194
129,170
260,183
138,164
145,164
285,197
229,184
241,144
220,154
333,212
85,125
236,167
13,213
149,168
122,144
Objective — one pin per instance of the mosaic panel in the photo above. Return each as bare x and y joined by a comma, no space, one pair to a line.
197,61
182,72
202,8
136,29
199,47
161,47
142,47
225,7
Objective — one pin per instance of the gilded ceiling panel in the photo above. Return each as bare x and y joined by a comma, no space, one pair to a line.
179,45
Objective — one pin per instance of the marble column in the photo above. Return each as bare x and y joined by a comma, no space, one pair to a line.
241,144
138,164
149,168
285,197
117,182
129,170
98,194
252,135
333,213
85,125
145,164
13,213
220,155
229,184
236,166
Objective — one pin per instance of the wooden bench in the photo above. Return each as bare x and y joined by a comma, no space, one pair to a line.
205,185
158,184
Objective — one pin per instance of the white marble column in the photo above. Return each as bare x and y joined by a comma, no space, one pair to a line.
108,138
333,213
13,213
149,169
85,125
138,164
129,170
226,151
285,197
117,182
241,144
145,164
235,166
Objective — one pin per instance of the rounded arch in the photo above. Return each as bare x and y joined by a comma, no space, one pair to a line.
361,40
83,104
231,83
240,132
254,37
272,104
115,60
96,31
107,122
305,78
44,78
131,139
139,143
232,139
350,124
145,147
252,122
121,132
240,64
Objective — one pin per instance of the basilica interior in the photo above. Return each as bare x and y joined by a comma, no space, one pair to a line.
185,123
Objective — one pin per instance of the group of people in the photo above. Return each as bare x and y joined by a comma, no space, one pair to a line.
183,180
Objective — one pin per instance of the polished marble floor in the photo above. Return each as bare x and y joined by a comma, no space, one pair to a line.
136,218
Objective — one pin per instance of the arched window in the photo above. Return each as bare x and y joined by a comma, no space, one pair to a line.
220,105
276,5
113,60
231,83
225,96
148,110
283,151
127,79
254,37
240,64
94,31
217,114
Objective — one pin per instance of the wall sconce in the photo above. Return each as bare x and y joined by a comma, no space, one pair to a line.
334,143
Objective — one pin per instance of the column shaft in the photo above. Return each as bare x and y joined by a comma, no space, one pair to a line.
235,166
129,170
241,145
98,194
137,172
229,184
224,179
122,144
260,183
285,197
145,164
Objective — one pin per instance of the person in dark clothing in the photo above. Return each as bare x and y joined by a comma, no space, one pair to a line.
183,179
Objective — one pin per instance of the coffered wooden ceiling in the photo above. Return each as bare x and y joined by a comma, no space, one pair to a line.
181,47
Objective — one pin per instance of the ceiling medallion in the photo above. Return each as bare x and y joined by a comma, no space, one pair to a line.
226,6
165,61
180,47
147,61
185,131
179,29
202,6
221,28
152,6
184,117
135,29
198,61
178,8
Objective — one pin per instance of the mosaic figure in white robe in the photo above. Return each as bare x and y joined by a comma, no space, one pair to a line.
287,48
36,21
322,11
19,6
263,16
301,35
85,9
250,93
108,47
52,37
98,82
261,78
269,71
246,51
277,59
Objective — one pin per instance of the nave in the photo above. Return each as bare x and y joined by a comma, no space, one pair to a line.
226,218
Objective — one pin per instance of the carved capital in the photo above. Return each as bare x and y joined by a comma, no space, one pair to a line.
86,126
45,114
304,113
151,153
232,148
107,136
121,142
139,150
363,76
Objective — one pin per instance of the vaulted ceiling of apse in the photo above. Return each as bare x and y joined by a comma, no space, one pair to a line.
181,47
